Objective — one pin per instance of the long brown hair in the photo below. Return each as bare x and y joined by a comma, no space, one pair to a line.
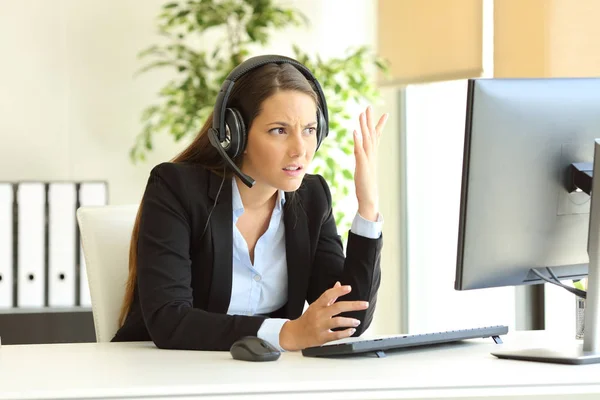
247,96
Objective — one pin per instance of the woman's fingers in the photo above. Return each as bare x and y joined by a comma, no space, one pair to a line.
336,335
346,306
381,124
369,114
343,322
366,134
331,295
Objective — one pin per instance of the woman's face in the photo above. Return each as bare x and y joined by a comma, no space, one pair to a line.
282,140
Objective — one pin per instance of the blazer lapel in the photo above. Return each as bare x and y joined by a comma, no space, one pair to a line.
297,248
221,231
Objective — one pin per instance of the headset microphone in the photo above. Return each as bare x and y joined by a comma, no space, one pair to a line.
214,140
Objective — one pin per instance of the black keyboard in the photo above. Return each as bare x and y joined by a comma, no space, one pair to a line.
378,346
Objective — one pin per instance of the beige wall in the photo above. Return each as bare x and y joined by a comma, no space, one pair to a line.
574,38
430,40
520,38
546,38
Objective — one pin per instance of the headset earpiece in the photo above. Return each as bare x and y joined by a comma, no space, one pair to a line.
321,127
236,131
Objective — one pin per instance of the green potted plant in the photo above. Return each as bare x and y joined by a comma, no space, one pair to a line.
187,99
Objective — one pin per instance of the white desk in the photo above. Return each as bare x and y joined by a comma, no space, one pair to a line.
140,370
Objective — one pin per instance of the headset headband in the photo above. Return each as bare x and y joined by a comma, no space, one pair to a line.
249,65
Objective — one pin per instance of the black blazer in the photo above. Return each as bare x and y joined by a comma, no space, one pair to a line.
184,279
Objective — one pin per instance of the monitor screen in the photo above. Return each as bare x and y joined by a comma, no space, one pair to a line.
516,212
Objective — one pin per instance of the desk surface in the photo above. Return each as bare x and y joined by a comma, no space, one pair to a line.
128,370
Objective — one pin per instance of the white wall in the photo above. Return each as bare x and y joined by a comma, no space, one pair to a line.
70,105
390,314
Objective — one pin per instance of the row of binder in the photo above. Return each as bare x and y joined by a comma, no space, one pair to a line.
41,260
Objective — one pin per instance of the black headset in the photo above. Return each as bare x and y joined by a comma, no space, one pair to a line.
228,133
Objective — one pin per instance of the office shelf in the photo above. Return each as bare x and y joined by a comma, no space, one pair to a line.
29,310
47,325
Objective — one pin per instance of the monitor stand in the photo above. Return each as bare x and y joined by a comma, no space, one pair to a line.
589,351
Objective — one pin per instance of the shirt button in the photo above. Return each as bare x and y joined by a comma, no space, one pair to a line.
257,278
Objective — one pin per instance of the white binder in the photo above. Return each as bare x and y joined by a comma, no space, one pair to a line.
31,201
6,245
62,244
90,194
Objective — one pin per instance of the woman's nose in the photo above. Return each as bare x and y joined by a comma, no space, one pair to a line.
297,147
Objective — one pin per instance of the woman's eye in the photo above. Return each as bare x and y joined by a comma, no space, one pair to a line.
278,131
281,131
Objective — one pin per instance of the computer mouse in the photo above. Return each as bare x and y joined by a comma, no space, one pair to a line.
252,348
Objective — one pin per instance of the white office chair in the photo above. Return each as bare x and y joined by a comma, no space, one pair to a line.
105,236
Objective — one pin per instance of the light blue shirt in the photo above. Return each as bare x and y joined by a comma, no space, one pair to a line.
263,287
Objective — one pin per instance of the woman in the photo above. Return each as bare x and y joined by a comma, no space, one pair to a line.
214,258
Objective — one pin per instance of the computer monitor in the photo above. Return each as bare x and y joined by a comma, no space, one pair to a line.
521,218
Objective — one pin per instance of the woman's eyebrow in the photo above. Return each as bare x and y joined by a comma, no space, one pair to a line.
286,124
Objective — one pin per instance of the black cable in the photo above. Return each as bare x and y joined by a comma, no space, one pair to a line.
214,204
577,292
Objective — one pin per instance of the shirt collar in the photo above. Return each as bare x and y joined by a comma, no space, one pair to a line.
238,206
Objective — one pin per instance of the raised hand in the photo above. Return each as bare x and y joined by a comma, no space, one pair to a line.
366,145
314,327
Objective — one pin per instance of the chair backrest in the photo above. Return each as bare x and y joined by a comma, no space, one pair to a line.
105,237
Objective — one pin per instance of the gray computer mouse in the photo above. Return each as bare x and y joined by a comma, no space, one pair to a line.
252,348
